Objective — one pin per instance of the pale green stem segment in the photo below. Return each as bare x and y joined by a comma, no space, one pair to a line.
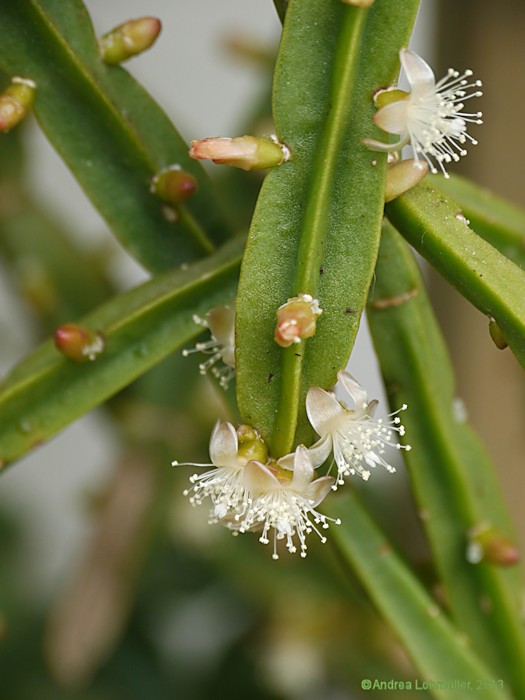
46,391
495,285
498,221
454,483
110,133
318,217
436,647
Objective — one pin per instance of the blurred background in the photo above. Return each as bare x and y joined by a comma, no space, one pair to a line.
111,586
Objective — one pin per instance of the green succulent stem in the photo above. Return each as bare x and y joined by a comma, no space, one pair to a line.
435,645
500,222
316,216
454,482
47,391
496,286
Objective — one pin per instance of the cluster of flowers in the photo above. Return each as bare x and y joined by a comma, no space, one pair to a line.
430,118
249,491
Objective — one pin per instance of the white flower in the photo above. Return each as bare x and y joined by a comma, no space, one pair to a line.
283,501
430,117
221,346
357,440
224,484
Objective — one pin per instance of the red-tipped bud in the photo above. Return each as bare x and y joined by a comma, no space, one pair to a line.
296,320
173,185
15,103
78,344
129,39
245,152
489,545
497,335
402,176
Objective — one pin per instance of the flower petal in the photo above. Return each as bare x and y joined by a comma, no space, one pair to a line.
258,478
320,450
221,322
224,445
393,117
352,386
319,489
419,74
322,409
303,470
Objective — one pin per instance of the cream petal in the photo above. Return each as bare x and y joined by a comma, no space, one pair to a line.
393,117
320,450
419,74
224,445
375,145
318,454
221,320
322,408
352,387
319,489
258,478
287,461
303,470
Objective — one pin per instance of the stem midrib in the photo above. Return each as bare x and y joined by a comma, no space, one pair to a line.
314,226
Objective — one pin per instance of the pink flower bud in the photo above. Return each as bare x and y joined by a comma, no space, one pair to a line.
129,39
15,103
78,344
296,320
245,152
173,185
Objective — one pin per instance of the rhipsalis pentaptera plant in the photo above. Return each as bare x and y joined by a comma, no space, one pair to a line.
275,308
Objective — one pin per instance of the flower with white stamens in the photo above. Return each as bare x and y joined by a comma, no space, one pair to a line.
221,346
284,502
430,117
230,451
357,439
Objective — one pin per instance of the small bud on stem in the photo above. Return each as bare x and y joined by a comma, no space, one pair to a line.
15,103
489,545
245,152
129,39
173,185
497,335
251,444
78,344
402,176
296,320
